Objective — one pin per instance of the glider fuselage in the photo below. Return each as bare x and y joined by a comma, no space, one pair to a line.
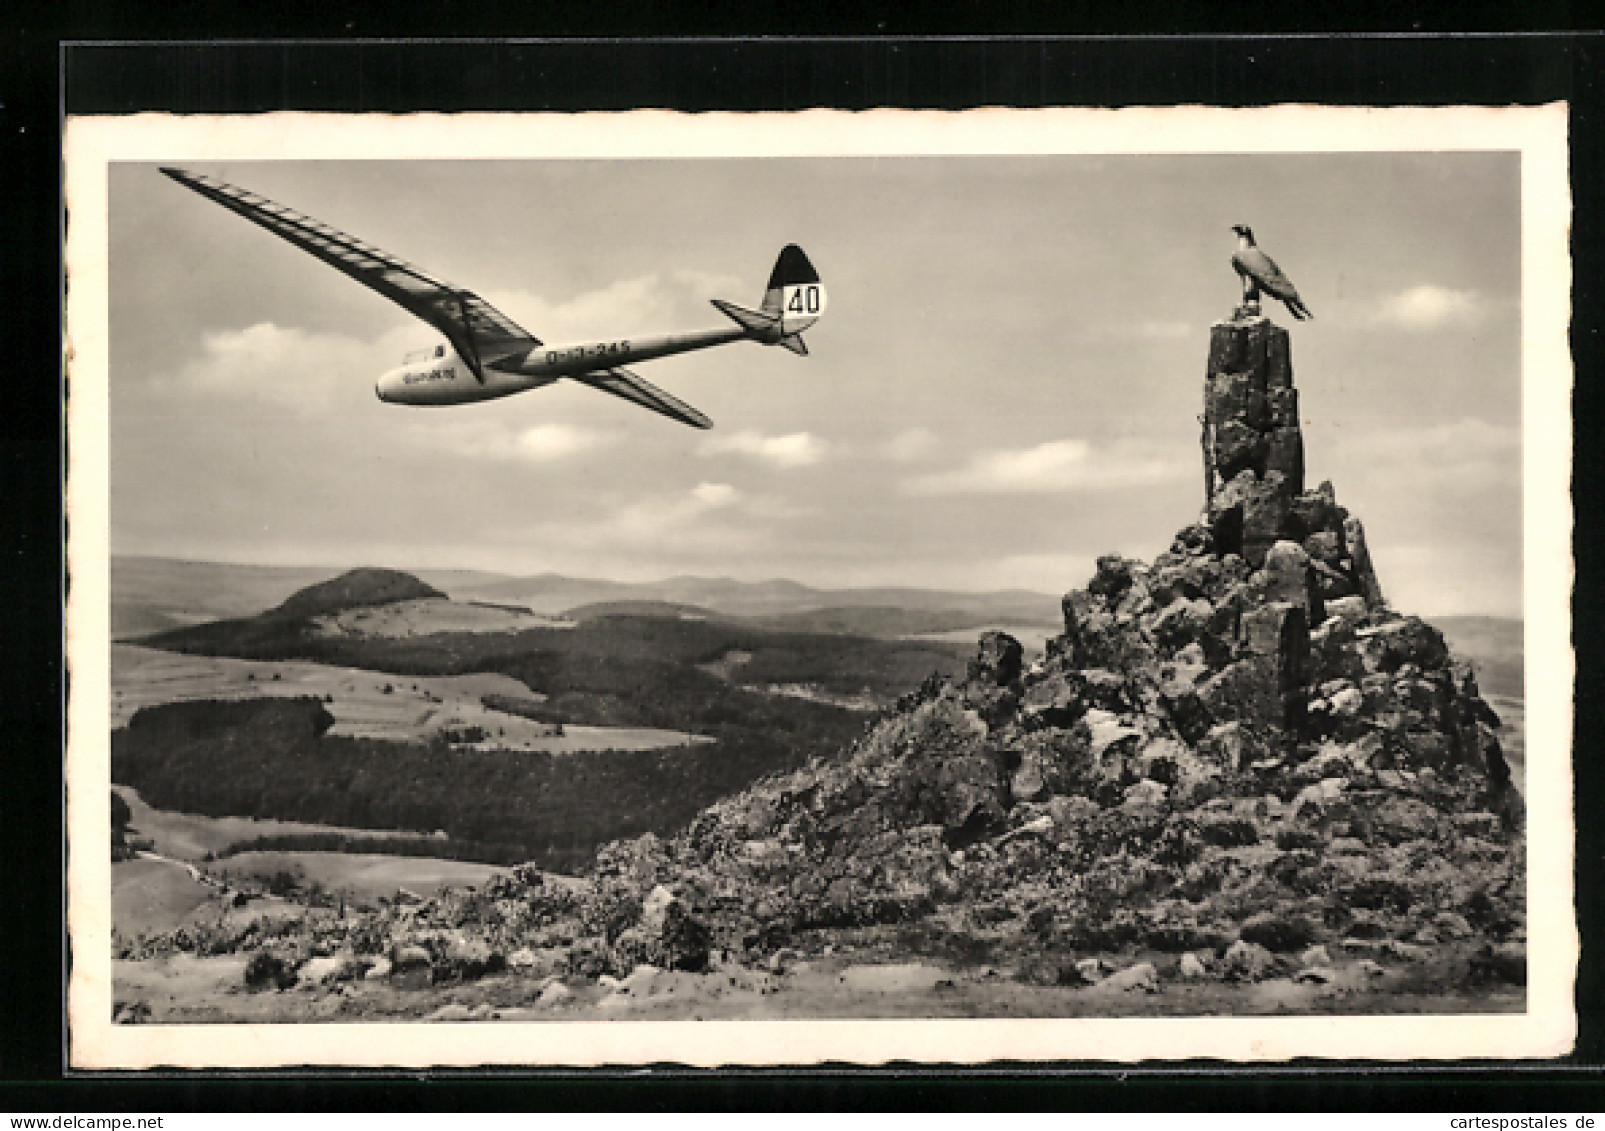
445,378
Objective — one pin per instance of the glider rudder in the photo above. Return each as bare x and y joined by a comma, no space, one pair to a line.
793,301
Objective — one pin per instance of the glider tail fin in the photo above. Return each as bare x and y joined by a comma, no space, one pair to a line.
793,301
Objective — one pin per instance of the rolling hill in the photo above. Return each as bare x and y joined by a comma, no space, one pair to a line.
151,594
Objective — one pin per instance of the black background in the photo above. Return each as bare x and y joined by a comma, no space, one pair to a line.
96,59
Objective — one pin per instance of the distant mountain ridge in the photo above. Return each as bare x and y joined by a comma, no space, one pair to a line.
151,594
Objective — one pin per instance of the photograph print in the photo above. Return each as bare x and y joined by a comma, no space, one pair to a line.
1126,616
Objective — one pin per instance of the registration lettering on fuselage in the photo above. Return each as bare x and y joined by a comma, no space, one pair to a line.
586,353
439,373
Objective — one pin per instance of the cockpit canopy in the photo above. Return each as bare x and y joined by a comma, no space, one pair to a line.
415,356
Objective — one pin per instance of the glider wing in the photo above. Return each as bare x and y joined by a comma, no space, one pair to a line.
478,331
623,383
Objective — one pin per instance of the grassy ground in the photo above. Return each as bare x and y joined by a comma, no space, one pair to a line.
183,989
364,703
190,837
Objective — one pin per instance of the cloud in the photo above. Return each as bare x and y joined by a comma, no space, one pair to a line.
549,442
798,449
1055,466
645,304
288,366
1469,453
1428,307
912,444
651,520
479,438
715,495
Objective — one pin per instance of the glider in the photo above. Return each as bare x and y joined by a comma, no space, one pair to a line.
1260,272
487,355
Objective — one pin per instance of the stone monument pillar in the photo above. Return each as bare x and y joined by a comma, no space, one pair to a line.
1254,467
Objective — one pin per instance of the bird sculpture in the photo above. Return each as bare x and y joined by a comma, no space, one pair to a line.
1260,273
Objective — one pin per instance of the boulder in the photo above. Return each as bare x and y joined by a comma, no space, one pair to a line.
267,970
1364,575
1316,509
1316,956
1284,455
1246,691
554,993
1141,976
1091,970
667,935
1266,511
408,956
1288,579
1230,745
1113,578
1182,622
316,971
998,659
1246,961
1057,700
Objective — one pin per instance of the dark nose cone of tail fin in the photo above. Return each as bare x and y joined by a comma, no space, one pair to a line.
791,268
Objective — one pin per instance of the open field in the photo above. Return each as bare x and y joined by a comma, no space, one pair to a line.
360,876
150,896
365,703
191,837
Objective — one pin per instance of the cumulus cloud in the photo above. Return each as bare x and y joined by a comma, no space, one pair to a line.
289,366
1055,466
479,438
1469,452
912,444
646,304
797,449
549,442
655,517
714,495
1429,307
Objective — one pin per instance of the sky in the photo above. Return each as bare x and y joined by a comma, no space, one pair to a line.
1006,383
